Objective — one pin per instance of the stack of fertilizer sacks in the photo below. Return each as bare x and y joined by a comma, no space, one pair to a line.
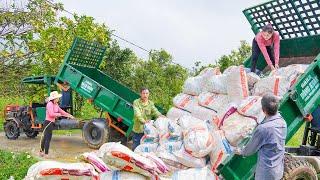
211,117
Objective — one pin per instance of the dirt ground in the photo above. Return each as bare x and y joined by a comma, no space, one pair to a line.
62,147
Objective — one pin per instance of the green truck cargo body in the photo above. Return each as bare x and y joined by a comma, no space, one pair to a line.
81,70
300,40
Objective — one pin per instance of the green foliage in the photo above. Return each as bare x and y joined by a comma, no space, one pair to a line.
161,76
119,63
9,161
235,58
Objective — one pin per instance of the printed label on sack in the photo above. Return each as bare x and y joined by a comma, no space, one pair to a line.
209,100
217,162
276,86
249,105
244,85
185,101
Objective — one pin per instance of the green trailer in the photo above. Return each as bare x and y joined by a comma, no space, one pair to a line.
81,70
298,25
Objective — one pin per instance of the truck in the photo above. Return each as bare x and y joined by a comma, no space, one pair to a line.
298,25
80,70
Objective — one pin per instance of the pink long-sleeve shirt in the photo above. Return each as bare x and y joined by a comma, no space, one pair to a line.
262,43
53,111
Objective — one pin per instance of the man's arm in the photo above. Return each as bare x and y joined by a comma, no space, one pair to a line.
254,143
155,112
137,112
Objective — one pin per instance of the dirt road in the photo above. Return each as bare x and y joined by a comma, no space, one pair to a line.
62,147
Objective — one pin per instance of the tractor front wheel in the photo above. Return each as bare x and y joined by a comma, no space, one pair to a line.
11,129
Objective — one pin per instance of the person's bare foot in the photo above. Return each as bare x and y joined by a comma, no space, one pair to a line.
41,154
46,156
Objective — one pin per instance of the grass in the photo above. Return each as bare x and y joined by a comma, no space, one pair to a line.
9,161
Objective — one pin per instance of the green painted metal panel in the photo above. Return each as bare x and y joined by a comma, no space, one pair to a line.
40,115
291,18
80,70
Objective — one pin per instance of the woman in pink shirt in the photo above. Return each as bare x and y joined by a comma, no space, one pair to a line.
268,42
52,112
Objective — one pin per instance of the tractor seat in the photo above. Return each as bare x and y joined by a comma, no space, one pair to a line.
35,105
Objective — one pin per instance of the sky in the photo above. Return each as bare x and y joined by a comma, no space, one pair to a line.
190,31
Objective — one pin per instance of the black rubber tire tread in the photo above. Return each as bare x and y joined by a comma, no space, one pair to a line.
32,133
104,134
7,127
296,169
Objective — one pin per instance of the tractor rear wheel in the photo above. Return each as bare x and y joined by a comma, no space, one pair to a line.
11,129
95,133
31,133
296,169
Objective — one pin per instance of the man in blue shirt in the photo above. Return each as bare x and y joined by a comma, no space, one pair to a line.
66,98
268,140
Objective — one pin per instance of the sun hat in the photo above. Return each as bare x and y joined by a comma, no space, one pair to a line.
54,95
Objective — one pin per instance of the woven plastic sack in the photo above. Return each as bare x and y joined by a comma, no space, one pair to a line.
291,72
221,150
193,85
209,71
175,113
230,69
237,84
185,101
161,124
204,114
122,175
187,122
196,85
198,141
251,107
276,85
216,102
162,168
58,170
216,84
95,161
192,174
253,78
165,153
188,160
174,129
146,147
122,158
236,126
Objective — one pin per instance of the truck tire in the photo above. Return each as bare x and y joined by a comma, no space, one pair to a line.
95,133
295,169
11,129
31,133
